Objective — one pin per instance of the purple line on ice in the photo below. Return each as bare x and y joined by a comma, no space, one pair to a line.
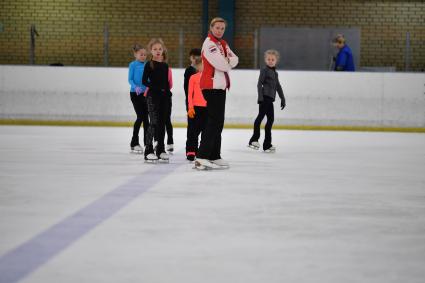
26,258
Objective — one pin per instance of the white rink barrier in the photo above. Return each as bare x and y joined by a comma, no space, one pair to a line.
313,98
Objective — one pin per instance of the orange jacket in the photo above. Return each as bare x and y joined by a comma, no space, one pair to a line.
194,94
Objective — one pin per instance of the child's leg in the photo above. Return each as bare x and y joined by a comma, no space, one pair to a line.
136,127
168,124
162,116
268,128
152,104
262,109
145,119
199,124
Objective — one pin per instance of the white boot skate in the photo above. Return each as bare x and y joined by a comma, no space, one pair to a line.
137,149
170,147
164,157
271,149
151,158
254,145
205,164
221,162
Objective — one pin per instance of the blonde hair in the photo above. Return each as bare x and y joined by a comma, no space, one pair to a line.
217,20
272,52
151,43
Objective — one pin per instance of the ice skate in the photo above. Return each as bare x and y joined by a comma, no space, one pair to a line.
137,149
151,158
221,163
164,157
170,148
271,149
254,145
205,164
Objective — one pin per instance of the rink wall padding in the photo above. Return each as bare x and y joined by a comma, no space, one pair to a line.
315,100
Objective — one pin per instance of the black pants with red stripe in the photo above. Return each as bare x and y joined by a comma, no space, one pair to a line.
194,128
210,147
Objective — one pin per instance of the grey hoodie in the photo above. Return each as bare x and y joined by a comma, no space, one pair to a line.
268,84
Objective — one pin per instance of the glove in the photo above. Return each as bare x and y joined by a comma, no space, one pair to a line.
259,101
138,90
282,104
191,113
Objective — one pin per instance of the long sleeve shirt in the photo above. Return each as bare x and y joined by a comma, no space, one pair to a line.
135,74
344,60
268,84
195,97
156,78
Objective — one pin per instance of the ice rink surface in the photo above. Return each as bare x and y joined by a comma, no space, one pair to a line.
76,206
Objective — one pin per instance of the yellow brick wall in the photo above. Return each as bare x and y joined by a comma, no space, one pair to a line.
71,31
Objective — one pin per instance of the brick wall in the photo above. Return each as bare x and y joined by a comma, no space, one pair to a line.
71,31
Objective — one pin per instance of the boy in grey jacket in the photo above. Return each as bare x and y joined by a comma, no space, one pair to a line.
268,85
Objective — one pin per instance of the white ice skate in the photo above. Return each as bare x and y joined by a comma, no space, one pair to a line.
222,163
271,149
170,148
254,145
164,157
137,149
151,158
205,164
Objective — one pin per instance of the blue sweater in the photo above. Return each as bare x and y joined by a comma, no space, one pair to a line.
344,60
135,74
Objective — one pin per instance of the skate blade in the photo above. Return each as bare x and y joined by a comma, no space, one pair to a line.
151,161
253,147
164,160
270,151
136,151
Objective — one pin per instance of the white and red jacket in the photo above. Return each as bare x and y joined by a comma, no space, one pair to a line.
218,60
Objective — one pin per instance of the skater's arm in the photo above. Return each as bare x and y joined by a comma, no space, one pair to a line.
146,74
213,55
260,84
191,92
279,89
170,78
130,76
341,61
233,59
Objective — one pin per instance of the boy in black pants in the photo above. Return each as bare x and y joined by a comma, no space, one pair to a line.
268,84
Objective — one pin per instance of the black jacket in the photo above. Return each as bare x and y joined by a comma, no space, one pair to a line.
268,84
